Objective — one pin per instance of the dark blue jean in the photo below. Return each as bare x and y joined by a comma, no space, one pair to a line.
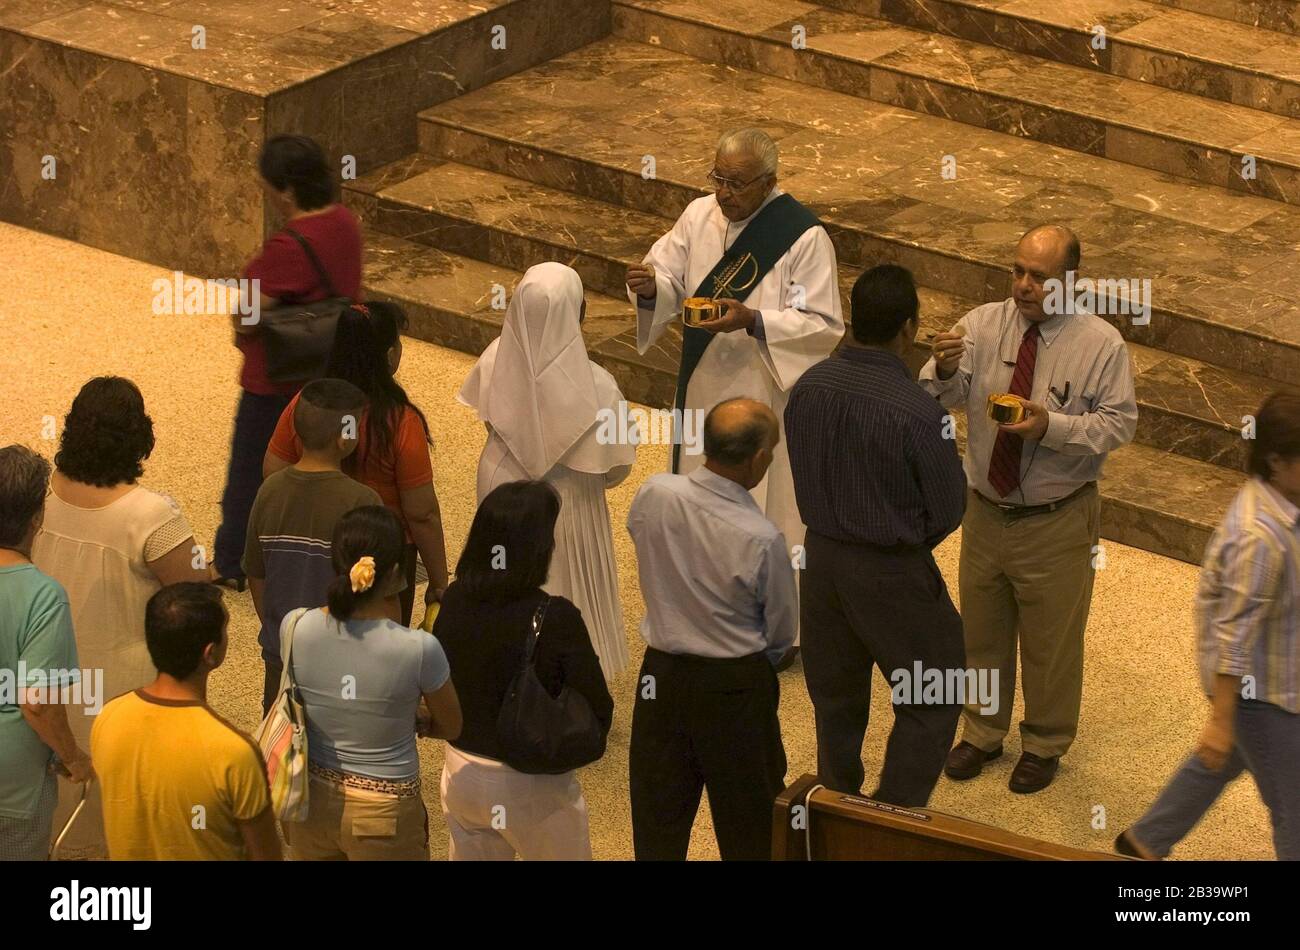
1267,746
255,422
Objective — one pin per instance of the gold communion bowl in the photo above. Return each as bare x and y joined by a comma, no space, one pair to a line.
695,310
1005,409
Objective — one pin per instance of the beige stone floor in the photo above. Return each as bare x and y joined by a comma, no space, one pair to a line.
71,312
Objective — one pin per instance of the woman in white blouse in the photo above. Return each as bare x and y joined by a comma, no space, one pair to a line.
111,543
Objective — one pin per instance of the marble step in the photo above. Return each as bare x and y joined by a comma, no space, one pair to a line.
458,301
1282,16
1224,286
510,222
1186,406
1151,499
983,86
1176,49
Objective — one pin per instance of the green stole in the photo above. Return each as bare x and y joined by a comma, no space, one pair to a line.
766,238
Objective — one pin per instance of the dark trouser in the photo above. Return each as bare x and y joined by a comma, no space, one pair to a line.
1268,746
406,599
271,681
705,723
861,606
255,421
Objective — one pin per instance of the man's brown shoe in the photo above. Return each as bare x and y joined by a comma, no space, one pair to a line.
1033,773
966,761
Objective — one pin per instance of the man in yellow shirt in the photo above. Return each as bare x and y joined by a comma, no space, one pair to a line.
178,781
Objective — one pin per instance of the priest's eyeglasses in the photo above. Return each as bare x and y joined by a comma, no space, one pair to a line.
719,183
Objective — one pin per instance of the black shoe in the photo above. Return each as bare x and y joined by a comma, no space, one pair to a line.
1033,773
787,659
239,584
967,761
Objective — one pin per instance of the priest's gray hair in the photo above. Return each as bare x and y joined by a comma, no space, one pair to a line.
751,142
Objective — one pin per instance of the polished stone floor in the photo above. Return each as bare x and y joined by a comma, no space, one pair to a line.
83,312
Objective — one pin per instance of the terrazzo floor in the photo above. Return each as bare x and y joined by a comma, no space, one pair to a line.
74,312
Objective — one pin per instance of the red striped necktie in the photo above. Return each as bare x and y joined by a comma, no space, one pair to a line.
1004,465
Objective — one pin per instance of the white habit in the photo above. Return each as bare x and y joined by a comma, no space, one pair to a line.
799,300
540,396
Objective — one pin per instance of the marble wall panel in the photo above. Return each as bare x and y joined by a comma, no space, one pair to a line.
368,109
148,164
224,132
156,144
39,88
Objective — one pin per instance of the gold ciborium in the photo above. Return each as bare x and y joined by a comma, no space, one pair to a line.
1005,409
695,310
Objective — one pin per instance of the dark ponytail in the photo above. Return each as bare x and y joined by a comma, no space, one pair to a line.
369,531
362,339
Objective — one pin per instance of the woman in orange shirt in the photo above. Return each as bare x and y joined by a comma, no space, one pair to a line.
392,455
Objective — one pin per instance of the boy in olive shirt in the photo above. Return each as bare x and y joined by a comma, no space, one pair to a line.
287,553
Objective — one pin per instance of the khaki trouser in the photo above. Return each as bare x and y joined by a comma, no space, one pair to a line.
1028,579
353,824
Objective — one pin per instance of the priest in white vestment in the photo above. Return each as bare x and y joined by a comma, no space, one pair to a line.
770,330
543,399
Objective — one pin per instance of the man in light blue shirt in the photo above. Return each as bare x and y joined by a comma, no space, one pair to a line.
721,609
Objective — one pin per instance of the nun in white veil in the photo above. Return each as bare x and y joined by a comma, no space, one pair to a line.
541,398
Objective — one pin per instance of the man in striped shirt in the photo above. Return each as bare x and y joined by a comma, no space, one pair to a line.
879,484
1248,645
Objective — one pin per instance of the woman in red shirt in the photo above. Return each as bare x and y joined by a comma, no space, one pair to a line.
392,455
300,188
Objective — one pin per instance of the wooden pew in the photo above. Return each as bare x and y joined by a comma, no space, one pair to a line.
814,823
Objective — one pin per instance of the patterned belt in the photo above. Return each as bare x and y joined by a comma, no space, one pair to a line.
410,788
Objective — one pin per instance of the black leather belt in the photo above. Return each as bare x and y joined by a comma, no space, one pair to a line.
1024,511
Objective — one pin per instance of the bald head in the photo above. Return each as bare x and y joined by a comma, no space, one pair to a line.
1055,242
1045,253
739,436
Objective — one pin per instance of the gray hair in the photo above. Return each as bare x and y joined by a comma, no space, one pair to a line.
24,476
751,142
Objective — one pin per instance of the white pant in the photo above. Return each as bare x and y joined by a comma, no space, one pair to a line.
494,812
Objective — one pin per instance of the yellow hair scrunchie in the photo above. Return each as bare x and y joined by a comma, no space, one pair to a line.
362,575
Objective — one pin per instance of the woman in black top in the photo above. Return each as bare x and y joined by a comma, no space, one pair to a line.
494,812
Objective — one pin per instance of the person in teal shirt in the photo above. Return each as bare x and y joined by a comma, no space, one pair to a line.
38,660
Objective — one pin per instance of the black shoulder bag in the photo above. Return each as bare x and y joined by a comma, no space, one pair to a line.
541,734
299,336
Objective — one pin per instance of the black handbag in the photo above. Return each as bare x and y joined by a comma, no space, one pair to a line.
541,734
299,336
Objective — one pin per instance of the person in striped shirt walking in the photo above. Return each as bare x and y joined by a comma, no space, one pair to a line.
1248,647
